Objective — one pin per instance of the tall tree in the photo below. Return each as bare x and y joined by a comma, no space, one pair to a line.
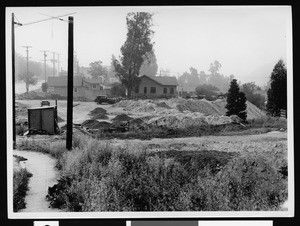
97,70
29,79
135,48
149,66
236,101
277,93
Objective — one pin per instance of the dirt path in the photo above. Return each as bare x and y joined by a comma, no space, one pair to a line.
42,167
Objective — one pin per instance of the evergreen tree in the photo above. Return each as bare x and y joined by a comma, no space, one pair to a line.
277,93
134,50
236,101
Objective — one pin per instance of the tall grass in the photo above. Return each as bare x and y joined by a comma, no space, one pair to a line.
97,177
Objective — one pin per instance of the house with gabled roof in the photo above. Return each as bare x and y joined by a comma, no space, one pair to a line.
155,86
87,88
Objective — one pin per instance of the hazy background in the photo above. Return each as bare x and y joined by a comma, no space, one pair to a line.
247,41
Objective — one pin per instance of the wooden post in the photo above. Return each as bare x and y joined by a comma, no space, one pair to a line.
13,77
70,85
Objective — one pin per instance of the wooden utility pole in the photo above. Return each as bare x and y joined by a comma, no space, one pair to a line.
53,61
70,84
27,58
58,64
45,65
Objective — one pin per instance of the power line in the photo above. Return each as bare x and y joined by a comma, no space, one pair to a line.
52,17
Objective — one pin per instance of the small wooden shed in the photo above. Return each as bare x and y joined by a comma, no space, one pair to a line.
43,120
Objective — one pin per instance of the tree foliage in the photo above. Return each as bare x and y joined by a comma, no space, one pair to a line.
277,93
149,66
29,79
135,48
117,90
250,90
207,90
236,101
97,70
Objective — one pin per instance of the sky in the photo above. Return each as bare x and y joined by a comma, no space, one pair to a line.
247,41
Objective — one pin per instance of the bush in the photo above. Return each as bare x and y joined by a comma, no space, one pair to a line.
20,188
96,177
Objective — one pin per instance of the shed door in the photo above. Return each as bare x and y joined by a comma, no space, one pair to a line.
34,119
48,120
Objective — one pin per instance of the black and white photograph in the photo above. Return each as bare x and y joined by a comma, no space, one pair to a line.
149,111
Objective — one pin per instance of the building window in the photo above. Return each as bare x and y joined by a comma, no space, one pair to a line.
165,90
145,89
75,90
153,90
94,86
172,90
136,89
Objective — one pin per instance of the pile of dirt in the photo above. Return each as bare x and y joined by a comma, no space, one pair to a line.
91,124
218,119
180,105
138,106
104,124
98,111
163,105
198,106
121,118
137,123
177,121
100,116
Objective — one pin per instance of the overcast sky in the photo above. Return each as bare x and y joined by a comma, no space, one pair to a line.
247,41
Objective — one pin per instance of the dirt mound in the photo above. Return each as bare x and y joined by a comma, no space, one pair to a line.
100,116
177,105
104,124
218,119
92,124
163,105
177,121
198,106
121,117
98,111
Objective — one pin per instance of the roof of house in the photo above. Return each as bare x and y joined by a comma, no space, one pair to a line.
93,80
164,80
62,81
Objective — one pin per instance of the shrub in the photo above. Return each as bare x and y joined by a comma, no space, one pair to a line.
20,188
96,177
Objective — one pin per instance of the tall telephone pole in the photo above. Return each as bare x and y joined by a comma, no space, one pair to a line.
45,64
70,83
58,69
27,57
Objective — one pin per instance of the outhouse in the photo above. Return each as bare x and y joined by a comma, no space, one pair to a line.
43,120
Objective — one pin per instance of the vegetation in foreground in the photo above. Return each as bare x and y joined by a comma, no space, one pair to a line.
20,187
97,177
